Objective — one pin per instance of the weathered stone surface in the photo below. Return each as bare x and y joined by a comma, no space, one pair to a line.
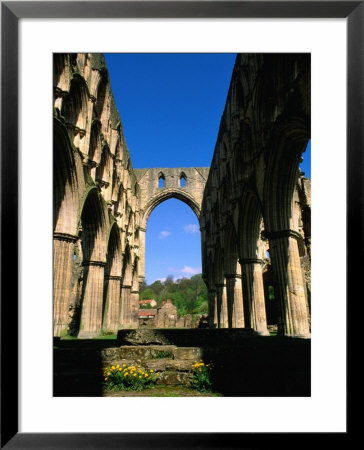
181,365
145,337
190,353
174,378
142,352
158,365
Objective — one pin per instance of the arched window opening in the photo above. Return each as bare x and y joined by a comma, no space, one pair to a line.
161,181
182,180
173,268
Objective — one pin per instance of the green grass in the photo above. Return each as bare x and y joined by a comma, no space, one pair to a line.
106,337
101,337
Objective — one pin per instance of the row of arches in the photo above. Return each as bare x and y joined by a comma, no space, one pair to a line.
254,205
96,211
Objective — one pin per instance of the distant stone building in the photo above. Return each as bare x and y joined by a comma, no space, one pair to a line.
166,315
147,318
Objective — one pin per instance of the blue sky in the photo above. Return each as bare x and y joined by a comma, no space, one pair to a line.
170,107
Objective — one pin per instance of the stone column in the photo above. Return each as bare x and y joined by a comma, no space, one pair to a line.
91,316
112,306
63,251
141,264
235,301
222,310
212,308
134,307
289,287
125,315
255,313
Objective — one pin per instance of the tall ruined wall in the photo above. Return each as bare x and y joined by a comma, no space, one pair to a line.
96,207
251,202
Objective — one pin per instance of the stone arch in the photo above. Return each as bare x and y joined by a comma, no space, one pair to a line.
94,153
103,172
65,208
232,273
93,241
249,225
113,271
166,195
101,100
61,78
126,284
119,202
289,141
249,233
65,182
74,110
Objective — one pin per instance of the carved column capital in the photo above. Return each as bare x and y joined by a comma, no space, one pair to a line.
65,237
251,261
282,234
94,263
230,276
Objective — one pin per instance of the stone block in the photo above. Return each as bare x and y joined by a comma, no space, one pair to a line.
181,365
174,378
157,364
191,353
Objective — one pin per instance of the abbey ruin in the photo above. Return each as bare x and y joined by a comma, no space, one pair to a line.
252,203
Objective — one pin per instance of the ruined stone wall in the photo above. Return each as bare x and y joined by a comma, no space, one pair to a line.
166,316
96,212
254,201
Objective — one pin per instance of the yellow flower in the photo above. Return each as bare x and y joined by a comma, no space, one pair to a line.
117,366
124,365
120,369
135,374
125,374
108,373
151,370
157,374
139,376
112,367
146,375
105,379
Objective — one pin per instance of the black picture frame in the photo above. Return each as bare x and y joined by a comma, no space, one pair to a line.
11,12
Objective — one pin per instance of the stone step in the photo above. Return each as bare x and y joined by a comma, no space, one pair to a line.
174,378
146,352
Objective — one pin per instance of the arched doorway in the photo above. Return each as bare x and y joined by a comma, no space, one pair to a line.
173,268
